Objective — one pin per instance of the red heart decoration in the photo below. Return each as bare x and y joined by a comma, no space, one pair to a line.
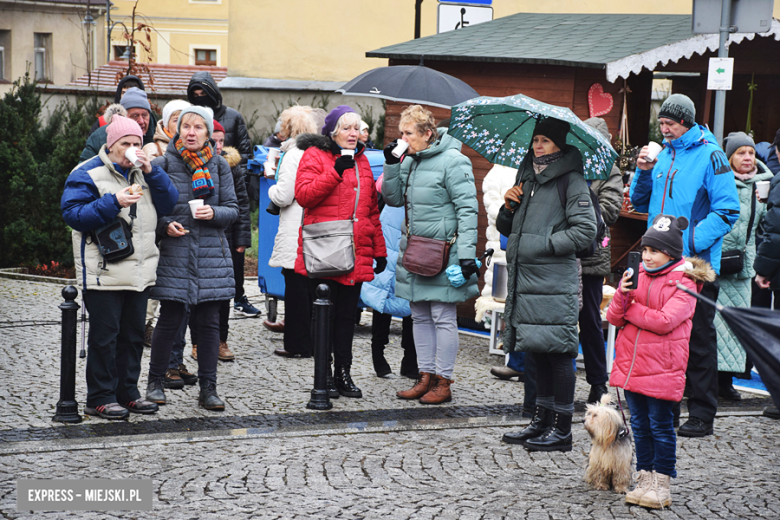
599,102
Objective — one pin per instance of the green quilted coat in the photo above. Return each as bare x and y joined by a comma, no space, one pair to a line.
541,306
441,201
736,289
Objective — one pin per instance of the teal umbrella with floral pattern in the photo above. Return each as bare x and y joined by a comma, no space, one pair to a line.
501,129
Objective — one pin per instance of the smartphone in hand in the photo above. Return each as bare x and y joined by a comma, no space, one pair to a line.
634,259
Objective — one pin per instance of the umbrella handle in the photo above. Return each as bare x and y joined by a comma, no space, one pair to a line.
487,254
700,297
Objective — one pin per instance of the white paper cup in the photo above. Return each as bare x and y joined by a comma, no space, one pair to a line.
194,205
653,149
132,156
345,151
399,150
763,189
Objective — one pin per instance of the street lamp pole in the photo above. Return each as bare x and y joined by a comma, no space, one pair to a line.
723,52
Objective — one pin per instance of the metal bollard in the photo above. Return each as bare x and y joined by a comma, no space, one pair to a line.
320,400
67,407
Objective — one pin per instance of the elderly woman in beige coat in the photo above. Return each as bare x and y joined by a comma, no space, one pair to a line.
297,337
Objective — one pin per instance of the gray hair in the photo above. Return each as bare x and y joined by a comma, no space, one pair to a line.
348,119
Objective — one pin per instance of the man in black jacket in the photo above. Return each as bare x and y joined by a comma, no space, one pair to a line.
767,263
203,91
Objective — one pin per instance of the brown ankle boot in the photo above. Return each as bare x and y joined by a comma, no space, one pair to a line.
419,389
195,352
225,353
439,392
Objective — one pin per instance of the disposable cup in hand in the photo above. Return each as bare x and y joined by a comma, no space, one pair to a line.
763,189
345,151
653,149
399,150
194,205
132,156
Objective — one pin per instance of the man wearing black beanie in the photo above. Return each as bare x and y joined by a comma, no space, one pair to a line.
691,177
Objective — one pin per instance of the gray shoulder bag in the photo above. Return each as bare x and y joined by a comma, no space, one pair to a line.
329,247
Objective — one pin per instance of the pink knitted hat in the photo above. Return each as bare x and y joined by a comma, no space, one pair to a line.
120,127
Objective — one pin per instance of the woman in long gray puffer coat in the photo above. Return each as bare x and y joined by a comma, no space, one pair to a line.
541,305
736,288
196,267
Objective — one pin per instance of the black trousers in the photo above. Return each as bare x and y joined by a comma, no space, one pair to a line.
297,314
238,274
342,317
205,318
380,337
591,332
116,345
555,377
224,324
702,373
529,382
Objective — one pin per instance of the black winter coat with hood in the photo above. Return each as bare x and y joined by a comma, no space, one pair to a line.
767,262
236,134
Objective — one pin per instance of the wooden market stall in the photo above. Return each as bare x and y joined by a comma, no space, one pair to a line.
597,65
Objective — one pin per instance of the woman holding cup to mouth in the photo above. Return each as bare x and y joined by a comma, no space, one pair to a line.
96,193
426,173
334,183
739,252
193,241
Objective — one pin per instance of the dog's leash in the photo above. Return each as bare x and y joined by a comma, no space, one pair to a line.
625,431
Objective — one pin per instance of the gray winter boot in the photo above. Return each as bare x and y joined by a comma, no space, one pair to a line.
658,496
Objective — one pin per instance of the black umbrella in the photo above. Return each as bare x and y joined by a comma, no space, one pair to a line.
411,84
758,330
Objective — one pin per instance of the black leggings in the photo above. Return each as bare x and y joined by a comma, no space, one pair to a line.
206,317
555,382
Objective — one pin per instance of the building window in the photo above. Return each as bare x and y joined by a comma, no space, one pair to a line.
119,52
205,57
5,52
43,57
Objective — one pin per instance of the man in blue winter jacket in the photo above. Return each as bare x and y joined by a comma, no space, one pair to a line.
692,178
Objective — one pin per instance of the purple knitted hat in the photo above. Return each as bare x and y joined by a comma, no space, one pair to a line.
332,118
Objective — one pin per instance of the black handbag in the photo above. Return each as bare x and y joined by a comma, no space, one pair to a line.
115,239
732,261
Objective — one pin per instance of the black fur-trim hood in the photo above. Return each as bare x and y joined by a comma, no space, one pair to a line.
323,142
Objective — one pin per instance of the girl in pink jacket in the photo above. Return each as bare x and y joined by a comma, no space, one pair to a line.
651,352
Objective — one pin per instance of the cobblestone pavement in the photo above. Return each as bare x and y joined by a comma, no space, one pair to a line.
267,456
451,474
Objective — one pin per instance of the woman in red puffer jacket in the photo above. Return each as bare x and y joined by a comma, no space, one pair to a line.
325,187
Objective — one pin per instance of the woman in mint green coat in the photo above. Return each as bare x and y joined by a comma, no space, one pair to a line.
435,183
736,288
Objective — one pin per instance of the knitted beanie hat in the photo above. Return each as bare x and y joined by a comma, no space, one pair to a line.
680,108
218,127
120,127
135,98
171,108
333,117
553,129
205,112
665,235
736,140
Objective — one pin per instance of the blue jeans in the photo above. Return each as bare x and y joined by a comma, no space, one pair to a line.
654,437
516,361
